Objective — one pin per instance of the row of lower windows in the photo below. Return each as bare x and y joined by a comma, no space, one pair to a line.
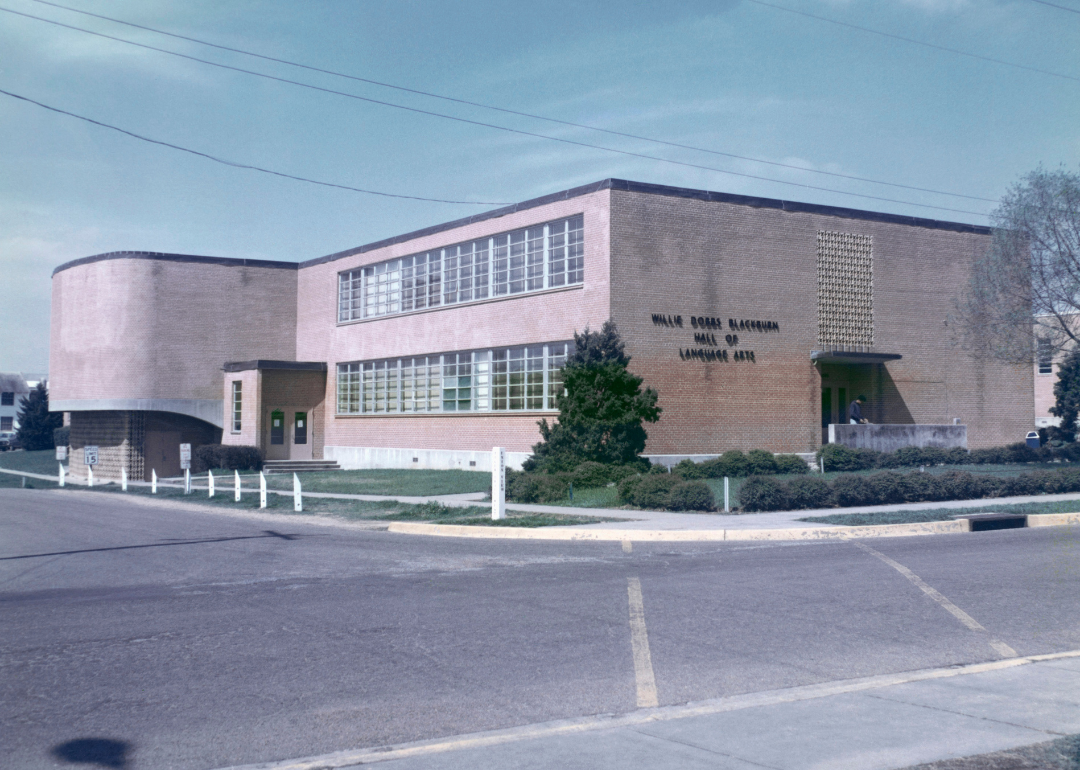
541,257
504,379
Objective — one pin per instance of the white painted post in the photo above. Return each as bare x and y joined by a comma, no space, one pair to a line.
727,498
123,479
498,483
297,499
262,490
823,465
89,475
236,486
62,473
153,481
210,482
187,481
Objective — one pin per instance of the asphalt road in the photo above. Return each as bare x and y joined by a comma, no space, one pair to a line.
201,640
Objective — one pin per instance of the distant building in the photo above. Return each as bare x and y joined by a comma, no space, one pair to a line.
757,320
13,388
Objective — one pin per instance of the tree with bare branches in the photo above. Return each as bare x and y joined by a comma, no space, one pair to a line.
1026,290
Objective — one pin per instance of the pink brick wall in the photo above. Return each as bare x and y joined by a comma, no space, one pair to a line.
542,317
138,328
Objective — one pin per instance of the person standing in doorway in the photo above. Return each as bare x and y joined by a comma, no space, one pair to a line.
855,411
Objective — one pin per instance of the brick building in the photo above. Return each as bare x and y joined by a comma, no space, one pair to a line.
757,321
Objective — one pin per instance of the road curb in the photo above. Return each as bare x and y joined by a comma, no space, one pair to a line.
667,535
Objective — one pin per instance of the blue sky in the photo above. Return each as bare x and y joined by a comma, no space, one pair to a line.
732,76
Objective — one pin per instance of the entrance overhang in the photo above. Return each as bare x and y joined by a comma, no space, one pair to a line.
851,357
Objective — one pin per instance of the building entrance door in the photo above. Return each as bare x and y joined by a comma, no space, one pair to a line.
277,449
834,406
300,430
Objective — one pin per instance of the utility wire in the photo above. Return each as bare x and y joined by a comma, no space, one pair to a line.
497,127
242,165
506,110
1055,5
916,42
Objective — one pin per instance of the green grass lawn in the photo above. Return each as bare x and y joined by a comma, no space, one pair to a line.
354,510
940,514
31,462
411,483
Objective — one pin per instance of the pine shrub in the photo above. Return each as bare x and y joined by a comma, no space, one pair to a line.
763,493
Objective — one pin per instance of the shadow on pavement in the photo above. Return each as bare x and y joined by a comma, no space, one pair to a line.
266,533
104,752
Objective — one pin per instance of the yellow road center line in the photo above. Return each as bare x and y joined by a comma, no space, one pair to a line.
639,639
1000,647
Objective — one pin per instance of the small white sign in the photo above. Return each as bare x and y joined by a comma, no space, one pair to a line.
61,453
185,457
90,454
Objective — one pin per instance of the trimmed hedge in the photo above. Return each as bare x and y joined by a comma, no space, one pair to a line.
235,458
841,458
763,493
666,491
756,462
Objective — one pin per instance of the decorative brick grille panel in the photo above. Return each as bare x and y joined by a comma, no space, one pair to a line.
845,271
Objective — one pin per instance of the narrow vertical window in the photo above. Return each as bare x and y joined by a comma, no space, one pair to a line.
237,406
1046,356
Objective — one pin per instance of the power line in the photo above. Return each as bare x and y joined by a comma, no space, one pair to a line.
916,42
504,109
493,126
234,164
1055,5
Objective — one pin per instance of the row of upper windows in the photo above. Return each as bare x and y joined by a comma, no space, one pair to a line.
545,256
503,379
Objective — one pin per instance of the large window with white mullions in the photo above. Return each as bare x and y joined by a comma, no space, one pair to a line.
525,378
546,256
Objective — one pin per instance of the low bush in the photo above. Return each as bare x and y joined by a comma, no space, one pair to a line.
731,463
841,458
760,463
791,464
762,493
808,492
537,487
592,474
234,458
653,491
691,496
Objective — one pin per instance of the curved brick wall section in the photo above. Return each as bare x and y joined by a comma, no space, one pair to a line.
161,327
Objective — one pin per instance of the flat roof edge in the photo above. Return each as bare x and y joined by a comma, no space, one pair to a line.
575,192
162,257
264,364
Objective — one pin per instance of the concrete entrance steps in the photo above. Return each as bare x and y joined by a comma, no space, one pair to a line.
300,466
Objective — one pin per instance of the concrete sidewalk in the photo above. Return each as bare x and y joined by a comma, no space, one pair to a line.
876,723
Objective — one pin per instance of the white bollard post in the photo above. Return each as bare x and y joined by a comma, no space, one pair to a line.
62,473
236,486
727,499
187,481
498,483
297,499
90,475
262,490
210,482
153,481
123,479
823,465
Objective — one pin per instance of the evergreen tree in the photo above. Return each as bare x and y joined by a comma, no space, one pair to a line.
1067,397
601,411
36,422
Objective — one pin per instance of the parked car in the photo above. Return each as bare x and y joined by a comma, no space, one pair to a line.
8,441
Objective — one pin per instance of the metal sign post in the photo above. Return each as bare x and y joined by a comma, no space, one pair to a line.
210,482
498,483
236,486
262,490
187,481
123,479
153,481
61,474
297,499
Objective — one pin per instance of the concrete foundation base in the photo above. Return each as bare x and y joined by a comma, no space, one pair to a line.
355,458
889,438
